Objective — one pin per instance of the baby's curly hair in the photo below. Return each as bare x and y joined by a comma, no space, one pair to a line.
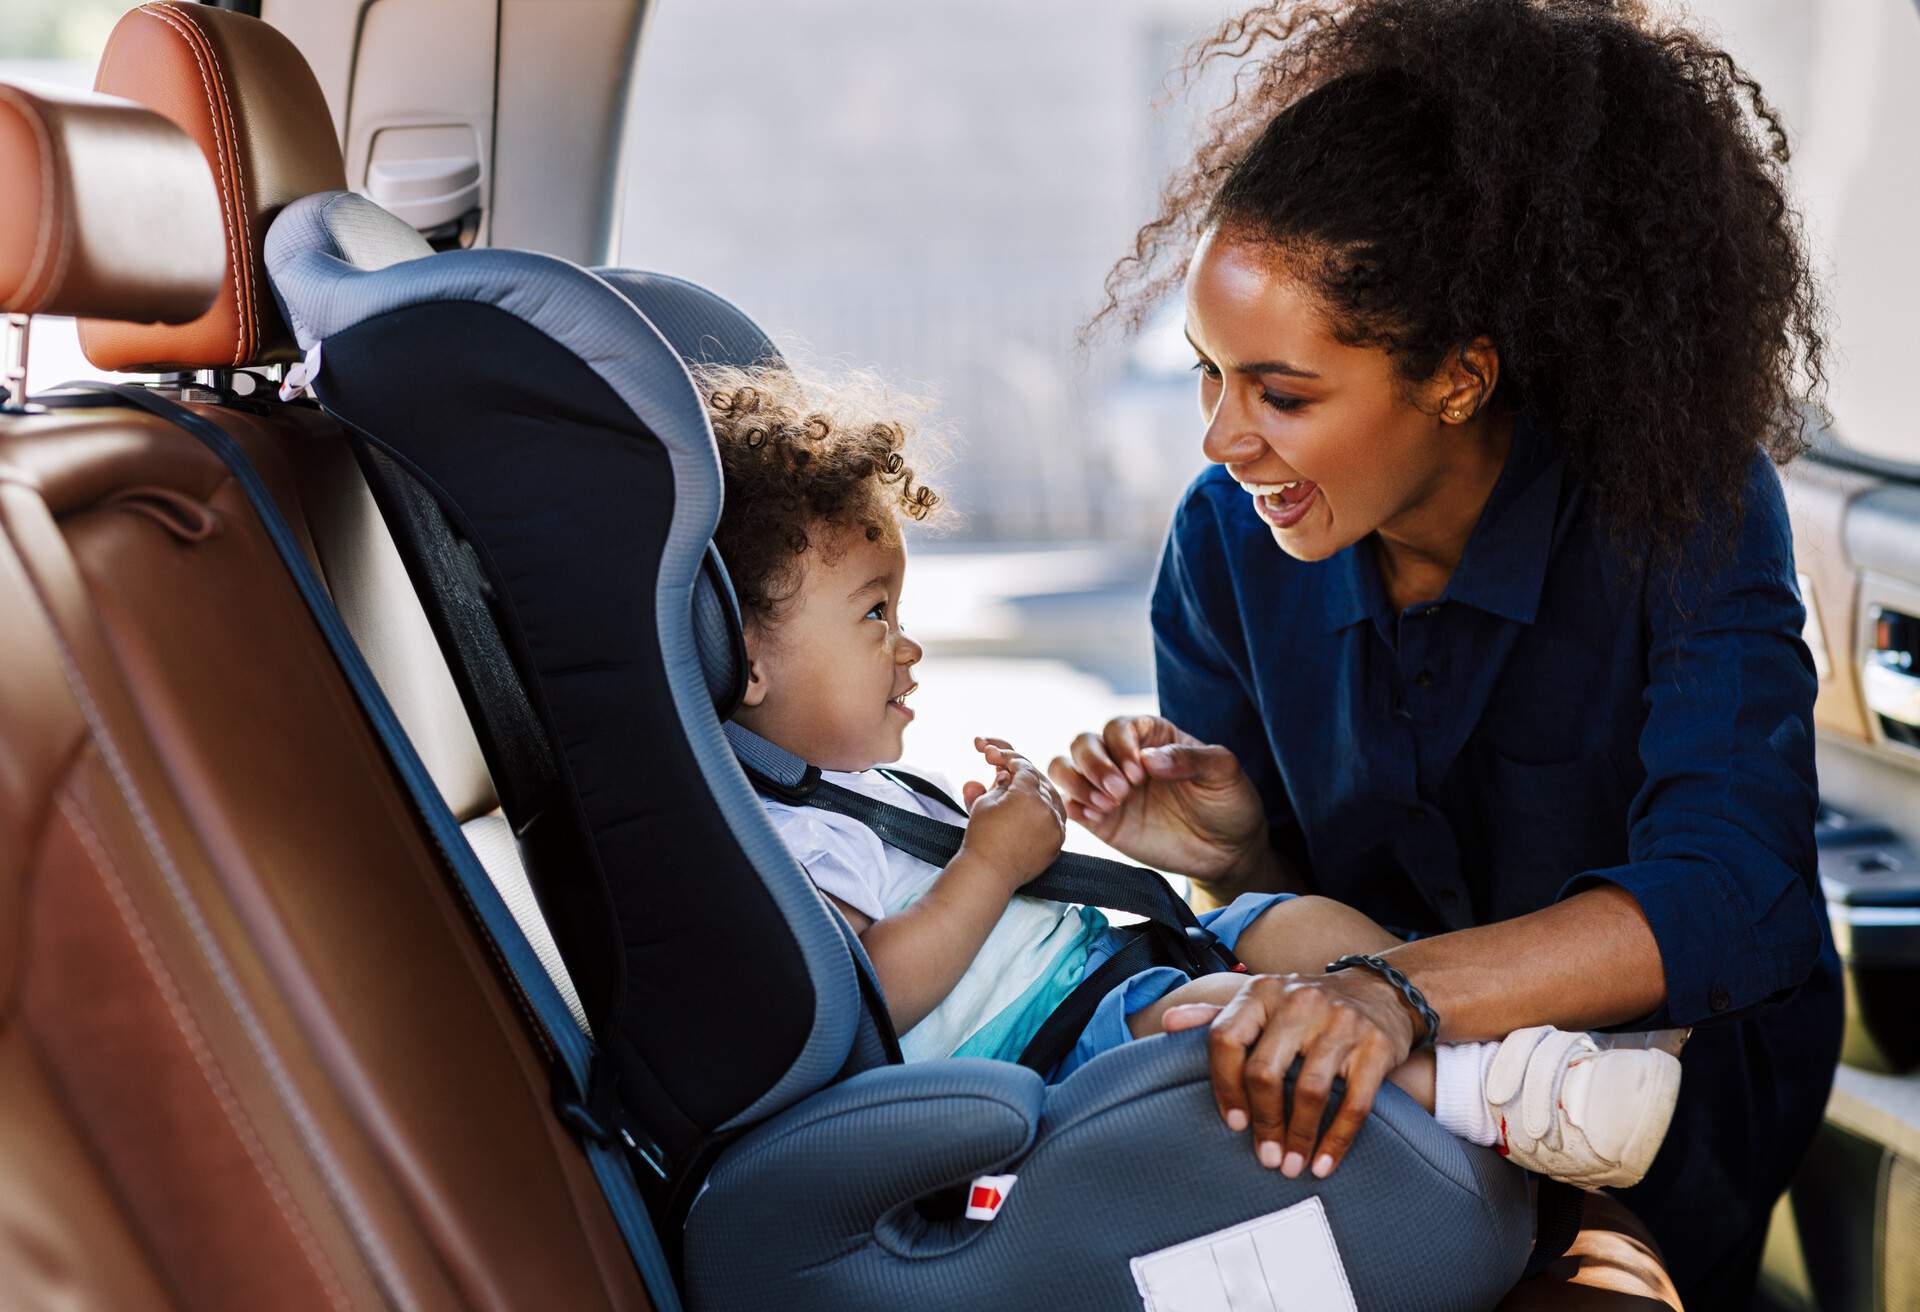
806,460
1602,197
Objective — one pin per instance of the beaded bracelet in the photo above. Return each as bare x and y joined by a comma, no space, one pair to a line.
1394,976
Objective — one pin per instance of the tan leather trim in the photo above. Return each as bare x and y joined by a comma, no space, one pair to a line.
30,223
245,95
113,214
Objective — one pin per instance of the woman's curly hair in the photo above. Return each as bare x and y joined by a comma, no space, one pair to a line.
1601,197
806,461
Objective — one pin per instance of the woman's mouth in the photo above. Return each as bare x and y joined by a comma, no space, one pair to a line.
1283,504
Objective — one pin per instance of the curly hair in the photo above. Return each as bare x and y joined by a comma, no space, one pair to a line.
806,461
1602,198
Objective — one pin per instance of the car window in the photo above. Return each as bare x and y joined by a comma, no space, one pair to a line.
1846,75
936,192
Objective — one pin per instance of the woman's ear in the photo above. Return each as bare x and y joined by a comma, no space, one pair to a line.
1465,381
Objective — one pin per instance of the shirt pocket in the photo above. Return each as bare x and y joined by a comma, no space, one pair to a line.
1548,821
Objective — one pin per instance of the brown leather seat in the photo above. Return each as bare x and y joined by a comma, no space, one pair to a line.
253,1054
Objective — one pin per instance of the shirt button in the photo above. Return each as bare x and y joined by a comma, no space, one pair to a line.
1424,679
1718,1000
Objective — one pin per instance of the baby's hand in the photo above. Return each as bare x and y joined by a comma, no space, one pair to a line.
1017,825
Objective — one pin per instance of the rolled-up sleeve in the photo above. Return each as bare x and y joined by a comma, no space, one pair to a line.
1721,854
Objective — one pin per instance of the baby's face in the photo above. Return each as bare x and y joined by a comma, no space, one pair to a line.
830,679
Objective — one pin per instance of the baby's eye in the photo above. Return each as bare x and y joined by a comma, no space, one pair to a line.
878,612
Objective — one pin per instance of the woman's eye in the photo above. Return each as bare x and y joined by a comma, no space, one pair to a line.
1204,368
1283,404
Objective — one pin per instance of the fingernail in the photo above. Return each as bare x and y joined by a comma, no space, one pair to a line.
1116,785
1135,773
1270,1154
1322,1166
1294,1164
1236,1120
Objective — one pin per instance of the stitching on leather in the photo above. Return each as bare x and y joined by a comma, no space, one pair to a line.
45,143
249,309
188,1025
359,1225
220,173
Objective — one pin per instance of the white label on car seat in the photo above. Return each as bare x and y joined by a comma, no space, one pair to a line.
1283,1262
986,1195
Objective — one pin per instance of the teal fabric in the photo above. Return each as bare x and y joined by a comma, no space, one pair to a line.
1006,1036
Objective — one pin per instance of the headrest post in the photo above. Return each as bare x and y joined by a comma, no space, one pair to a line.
13,362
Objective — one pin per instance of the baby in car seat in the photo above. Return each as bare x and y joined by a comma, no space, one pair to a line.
816,484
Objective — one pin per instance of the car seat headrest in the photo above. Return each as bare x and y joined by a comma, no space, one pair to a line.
245,96
110,212
703,328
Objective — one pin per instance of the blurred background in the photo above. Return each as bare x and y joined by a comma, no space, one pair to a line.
936,190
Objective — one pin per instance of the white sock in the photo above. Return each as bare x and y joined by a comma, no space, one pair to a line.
1460,1091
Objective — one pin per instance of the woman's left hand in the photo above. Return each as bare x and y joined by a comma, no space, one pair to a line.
1351,1024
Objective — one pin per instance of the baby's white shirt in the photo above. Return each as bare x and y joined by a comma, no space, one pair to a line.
1030,955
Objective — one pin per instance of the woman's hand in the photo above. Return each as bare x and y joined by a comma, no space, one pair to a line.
1352,1024
1166,799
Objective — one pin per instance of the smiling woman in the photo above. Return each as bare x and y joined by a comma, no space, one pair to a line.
1502,318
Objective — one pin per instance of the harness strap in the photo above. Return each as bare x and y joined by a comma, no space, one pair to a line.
582,1096
1558,1210
1073,877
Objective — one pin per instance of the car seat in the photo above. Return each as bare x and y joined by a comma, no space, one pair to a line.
533,434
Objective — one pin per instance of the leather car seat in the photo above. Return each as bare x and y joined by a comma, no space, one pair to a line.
252,1052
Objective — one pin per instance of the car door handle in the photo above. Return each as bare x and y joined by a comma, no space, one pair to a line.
1891,693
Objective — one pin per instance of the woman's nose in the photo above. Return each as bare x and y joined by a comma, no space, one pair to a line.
1227,440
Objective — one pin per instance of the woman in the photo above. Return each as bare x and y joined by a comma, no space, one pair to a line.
1483,619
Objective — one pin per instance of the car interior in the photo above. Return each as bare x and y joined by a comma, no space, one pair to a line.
352,958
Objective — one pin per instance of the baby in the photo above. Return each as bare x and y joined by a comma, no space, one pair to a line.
816,483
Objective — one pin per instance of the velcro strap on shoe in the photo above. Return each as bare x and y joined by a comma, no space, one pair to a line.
1545,1070
1509,1066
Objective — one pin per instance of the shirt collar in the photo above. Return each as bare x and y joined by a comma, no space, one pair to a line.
1504,566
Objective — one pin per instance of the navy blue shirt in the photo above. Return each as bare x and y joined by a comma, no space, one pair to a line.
1559,718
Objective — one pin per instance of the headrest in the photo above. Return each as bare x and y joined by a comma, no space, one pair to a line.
109,211
245,96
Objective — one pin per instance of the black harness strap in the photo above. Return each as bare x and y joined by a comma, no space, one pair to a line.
1073,877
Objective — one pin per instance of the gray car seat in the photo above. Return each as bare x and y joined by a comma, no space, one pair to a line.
540,451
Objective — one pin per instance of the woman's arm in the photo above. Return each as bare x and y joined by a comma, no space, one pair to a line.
1715,911
1583,963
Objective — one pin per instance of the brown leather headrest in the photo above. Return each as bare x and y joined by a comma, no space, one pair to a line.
109,210
243,93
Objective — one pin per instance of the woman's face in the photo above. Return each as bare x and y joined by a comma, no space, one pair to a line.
1323,436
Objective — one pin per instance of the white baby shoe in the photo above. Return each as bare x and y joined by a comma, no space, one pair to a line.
1567,1108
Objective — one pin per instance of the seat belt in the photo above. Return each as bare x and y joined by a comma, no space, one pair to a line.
582,1094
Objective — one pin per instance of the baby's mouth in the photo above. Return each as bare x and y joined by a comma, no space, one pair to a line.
899,700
